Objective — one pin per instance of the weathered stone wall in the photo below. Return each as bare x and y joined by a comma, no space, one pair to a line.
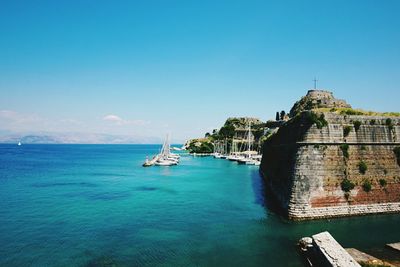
318,94
304,167
326,98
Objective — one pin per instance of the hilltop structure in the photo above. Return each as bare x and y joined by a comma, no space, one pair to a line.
235,128
330,160
241,126
317,99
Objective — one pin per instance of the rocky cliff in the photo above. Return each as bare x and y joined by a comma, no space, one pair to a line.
325,164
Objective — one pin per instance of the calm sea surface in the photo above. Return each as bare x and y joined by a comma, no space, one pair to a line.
94,205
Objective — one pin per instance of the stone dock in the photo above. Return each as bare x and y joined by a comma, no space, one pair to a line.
395,246
323,250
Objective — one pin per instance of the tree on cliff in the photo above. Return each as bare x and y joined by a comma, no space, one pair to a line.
277,116
283,113
227,131
258,133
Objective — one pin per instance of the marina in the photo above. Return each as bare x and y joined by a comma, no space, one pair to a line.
237,150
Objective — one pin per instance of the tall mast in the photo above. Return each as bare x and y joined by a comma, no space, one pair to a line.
167,146
162,149
248,139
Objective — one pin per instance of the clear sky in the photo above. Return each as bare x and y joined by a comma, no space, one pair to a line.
152,67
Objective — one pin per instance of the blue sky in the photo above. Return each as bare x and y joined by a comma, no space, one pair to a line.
145,68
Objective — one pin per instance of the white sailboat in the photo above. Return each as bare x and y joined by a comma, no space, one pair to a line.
234,155
166,158
218,150
224,150
247,155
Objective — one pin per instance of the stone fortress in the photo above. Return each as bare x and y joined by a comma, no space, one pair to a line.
329,160
318,99
326,99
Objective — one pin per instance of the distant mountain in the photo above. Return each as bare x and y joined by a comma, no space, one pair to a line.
74,138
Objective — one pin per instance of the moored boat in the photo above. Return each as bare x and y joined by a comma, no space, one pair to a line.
165,158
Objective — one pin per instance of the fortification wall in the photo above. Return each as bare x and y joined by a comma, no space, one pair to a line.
304,167
319,94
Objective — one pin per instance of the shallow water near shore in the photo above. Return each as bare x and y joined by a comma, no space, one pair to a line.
94,205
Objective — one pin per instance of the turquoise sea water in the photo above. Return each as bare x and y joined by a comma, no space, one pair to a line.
94,205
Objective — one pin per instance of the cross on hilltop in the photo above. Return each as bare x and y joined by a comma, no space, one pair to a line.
315,83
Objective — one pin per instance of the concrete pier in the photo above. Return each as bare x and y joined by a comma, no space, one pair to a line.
323,250
395,246
331,252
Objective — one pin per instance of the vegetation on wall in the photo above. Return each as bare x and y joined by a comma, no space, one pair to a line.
357,125
382,182
347,185
346,130
351,111
367,186
362,167
319,121
396,151
345,150
389,123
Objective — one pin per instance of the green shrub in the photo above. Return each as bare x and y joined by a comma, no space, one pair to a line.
363,147
309,105
227,131
367,186
362,167
319,121
389,123
204,147
372,122
346,130
350,112
347,185
382,182
357,125
396,151
345,150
